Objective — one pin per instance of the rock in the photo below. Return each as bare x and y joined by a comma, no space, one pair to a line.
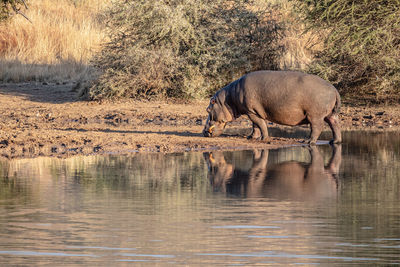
97,148
110,116
4,143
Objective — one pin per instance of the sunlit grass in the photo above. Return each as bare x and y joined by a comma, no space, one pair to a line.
57,44
62,38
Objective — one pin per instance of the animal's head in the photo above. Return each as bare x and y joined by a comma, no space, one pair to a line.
219,171
218,115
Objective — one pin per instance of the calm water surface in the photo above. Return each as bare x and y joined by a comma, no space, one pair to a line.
294,206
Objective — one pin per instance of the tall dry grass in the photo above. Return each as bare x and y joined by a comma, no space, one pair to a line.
300,44
64,36
57,45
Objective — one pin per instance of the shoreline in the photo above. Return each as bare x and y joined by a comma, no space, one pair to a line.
47,120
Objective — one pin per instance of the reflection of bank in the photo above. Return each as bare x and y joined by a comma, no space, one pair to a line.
289,179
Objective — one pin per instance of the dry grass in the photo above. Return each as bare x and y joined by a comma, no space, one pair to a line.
300,45
57,45
63,37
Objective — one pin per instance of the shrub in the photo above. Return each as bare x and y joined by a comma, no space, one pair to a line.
184,48
361,55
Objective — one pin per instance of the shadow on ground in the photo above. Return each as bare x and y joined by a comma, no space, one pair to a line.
41,92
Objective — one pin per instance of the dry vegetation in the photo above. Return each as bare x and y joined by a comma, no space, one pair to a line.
56,45
185,49
361,53
300,44
190,48
62,39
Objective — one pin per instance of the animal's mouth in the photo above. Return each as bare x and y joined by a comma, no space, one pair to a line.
210,130
213,130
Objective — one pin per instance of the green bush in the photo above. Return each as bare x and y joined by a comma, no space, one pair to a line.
184,48
361,54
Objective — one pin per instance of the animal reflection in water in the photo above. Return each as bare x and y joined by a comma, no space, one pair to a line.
285,180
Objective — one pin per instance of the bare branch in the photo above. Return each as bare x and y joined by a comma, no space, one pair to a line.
26,6
17,11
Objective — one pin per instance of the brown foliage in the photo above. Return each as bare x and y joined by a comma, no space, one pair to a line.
184,48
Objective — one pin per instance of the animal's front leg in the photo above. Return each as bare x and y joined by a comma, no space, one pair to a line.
261,125
256,133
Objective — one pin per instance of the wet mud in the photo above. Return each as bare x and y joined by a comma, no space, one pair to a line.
47,120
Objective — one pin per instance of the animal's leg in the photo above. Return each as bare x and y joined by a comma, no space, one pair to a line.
334,163
256,133
317,161
316,125
333,122
261,124
258,174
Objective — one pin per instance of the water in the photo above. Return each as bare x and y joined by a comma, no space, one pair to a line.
292,206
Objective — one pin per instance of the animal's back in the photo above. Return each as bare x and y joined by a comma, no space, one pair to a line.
286,97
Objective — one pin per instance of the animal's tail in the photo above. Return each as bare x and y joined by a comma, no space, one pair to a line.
336,108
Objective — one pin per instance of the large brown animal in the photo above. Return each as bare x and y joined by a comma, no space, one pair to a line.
284,97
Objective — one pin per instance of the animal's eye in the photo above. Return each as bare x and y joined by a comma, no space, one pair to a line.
212,101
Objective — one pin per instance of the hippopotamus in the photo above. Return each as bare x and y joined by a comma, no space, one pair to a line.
283,97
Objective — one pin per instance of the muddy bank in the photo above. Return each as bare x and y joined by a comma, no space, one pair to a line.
47,120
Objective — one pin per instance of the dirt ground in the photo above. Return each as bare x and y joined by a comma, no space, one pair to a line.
47,120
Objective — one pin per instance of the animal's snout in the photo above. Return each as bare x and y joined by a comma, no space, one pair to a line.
211,158
206,133
208,130
213,130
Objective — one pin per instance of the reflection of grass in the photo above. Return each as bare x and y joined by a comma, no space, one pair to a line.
375,162
136,174
370,187
370,176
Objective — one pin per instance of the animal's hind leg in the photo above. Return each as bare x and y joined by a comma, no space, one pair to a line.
333,122
316,129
